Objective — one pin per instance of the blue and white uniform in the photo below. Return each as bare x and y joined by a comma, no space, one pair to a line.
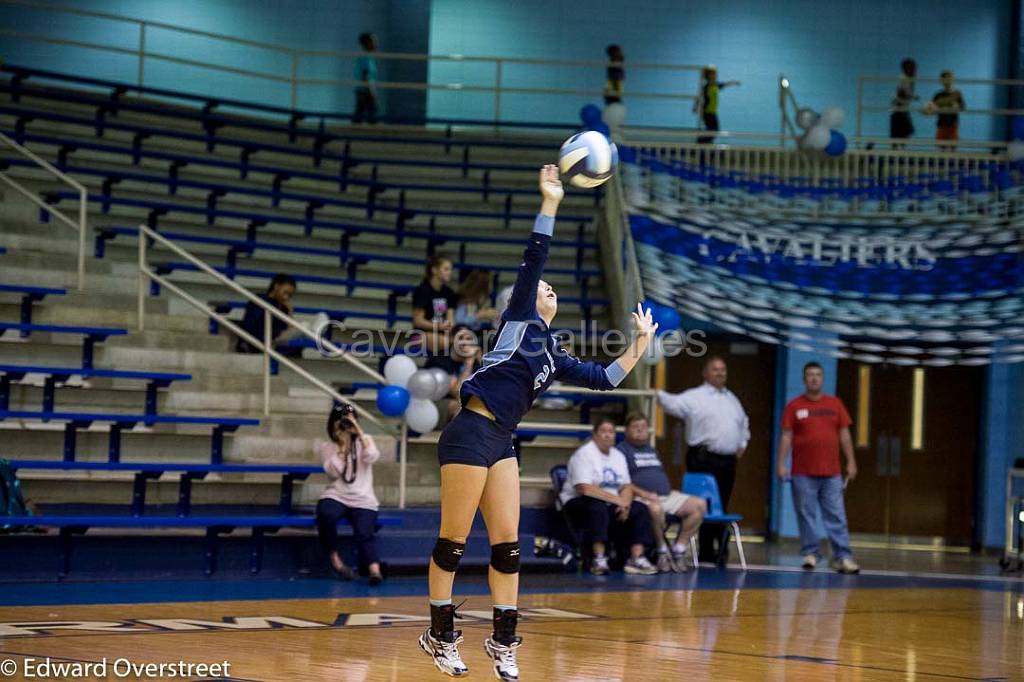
526,359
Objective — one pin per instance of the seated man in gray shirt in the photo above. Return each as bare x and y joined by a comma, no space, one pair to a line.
651,485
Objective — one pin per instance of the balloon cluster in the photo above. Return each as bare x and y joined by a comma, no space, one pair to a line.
591,118
1015,150
668,320
411,391
820,132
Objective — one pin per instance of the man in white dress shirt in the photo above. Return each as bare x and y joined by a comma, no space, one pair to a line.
717,432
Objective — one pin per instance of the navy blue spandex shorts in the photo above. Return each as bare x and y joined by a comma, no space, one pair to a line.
471,438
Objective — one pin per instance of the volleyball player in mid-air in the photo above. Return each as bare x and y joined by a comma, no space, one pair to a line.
478,464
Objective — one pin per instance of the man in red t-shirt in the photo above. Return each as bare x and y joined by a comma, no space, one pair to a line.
816,425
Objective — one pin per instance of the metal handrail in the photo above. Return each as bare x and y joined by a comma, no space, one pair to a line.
265,345
863,108
269,310
295,55
83,200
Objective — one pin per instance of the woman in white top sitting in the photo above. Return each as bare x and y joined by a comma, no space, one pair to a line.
348,459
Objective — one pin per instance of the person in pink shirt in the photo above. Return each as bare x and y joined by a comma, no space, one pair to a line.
348,459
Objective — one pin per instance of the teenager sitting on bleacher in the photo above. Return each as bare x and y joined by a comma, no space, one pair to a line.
279,295
473,311
433,306
466,358
348,460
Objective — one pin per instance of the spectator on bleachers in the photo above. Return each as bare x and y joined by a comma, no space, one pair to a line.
598,498
466,358
707,100
947,103
433,305
279,294
348,458
615,74
651,486
473,310
900,124
366,74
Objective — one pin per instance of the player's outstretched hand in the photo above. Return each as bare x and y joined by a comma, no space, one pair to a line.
550,186
643,322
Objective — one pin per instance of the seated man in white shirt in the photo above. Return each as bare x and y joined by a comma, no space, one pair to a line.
597,495
651,486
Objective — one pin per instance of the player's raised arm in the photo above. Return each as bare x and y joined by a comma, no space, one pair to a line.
522,304
576,372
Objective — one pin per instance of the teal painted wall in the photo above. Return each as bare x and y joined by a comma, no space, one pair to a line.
821,46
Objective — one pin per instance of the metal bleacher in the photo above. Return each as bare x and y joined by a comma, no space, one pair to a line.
351,213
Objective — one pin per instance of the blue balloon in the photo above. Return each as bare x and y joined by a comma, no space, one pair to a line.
392,400
837,145
668,320
1018,128
590,114
667,317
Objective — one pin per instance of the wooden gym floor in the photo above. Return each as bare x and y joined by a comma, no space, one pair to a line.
766,624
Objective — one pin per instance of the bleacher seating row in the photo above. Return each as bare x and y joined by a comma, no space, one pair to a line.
377,221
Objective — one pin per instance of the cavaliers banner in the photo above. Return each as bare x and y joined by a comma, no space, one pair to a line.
928,290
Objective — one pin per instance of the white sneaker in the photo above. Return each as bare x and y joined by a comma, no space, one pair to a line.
504,657
681,559
809,562
445,654
640,566
665,563
845,565
599,565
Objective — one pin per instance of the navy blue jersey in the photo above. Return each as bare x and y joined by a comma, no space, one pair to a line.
527,356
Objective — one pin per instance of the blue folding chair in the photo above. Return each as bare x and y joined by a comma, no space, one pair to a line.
559,473
705,485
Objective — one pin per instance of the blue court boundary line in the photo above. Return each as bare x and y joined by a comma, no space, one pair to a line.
250,589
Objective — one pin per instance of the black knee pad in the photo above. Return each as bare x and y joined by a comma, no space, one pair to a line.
505,557
448,554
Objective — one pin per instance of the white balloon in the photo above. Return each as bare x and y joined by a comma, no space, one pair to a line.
422,385
398,369
1015,150
654,353
421,416
501,302
832,117
806,118
614,115
818,137
442,381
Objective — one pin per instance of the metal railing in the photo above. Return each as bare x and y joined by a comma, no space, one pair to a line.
83,201
864,107
147,275
620,268
298,58
810,170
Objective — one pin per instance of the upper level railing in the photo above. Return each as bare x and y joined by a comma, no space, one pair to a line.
982,97
291,67
153,53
